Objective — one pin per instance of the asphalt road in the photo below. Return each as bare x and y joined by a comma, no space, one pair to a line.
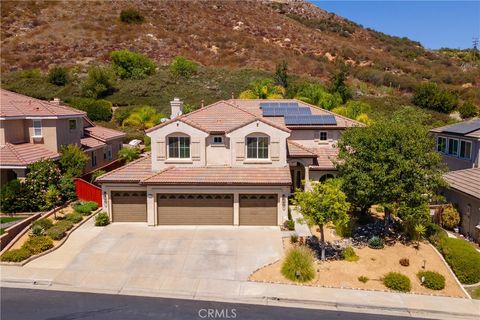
25,304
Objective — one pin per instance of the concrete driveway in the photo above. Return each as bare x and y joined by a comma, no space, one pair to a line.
131,255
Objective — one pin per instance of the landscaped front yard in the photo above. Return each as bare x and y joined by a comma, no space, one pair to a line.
372,265
48,232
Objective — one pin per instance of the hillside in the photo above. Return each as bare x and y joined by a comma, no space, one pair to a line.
257,34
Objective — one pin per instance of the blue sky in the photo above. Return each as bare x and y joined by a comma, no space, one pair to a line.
435,24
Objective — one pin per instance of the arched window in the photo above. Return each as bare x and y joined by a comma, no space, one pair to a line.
257,146
178,146
325,177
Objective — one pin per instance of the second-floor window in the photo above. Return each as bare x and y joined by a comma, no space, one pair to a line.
179,147
442,144
37,128
72,124
465,149
94,159
453,147
257,147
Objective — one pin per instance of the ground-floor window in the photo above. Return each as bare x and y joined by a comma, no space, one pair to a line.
325,177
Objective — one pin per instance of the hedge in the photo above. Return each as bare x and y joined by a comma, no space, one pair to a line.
85,207
37,245
102,219
462,258
74,217
45,223
16,255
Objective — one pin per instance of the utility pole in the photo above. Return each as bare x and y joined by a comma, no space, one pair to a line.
475,53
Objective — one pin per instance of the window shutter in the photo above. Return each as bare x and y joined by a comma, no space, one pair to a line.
161,150
275,151
195,149
240,150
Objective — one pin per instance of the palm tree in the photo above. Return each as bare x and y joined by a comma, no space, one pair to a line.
143,118
263,89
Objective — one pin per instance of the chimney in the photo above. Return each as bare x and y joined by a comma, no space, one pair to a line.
56,101
176,107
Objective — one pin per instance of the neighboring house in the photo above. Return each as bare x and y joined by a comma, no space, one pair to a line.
464,194
459,144
233,162
32,130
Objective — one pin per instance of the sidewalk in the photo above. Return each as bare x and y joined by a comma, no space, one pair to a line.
377,302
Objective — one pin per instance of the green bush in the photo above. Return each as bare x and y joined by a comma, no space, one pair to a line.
345,230
14,197
131,65
37,230
131,16
462,258
37,245
99,82
64,224
435,233
74,217
44,223
58,76
468,110
97,110
56,232
376,242
290,224
363,279
298,265
397,281
430,96
102,219
293,239
182,67
450,217
16,255
129,154
432,280
85,207
31,73
348,254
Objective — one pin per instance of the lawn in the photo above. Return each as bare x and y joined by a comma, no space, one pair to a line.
372,264
474,292
9,219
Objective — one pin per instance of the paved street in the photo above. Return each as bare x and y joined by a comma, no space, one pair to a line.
25,304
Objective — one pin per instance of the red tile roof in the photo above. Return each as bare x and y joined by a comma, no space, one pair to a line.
296,150
325,158
89,143
23,154
466,181
221,176
104,134
14,105
133,172
219,117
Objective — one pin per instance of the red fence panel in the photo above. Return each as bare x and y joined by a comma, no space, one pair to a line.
88,192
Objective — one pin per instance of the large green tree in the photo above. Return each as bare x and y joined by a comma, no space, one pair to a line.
143,118
392,162
316,94
72,160
263,89
323,204
41,175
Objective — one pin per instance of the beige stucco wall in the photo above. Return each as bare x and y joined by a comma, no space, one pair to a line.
315,175
455,163
204,153
466,203
13,131
152,191
65,135
102,155
307,137
277,145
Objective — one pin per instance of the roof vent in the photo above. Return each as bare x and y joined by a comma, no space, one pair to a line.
56,101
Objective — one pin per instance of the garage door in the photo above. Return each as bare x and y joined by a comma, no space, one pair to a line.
258,209
195,209
129,206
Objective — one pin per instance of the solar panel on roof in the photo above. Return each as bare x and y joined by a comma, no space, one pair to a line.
464,127
310,120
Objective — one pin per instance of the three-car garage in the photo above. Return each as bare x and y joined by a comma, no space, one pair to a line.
197,208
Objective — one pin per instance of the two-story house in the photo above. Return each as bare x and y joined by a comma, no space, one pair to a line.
230,163
459,144
33,129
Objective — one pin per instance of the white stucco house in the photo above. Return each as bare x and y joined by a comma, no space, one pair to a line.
233,162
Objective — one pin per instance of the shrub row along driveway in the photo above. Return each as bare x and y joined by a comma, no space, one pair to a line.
139,256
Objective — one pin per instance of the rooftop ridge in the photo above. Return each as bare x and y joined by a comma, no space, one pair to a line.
125,166
301,146
12,148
